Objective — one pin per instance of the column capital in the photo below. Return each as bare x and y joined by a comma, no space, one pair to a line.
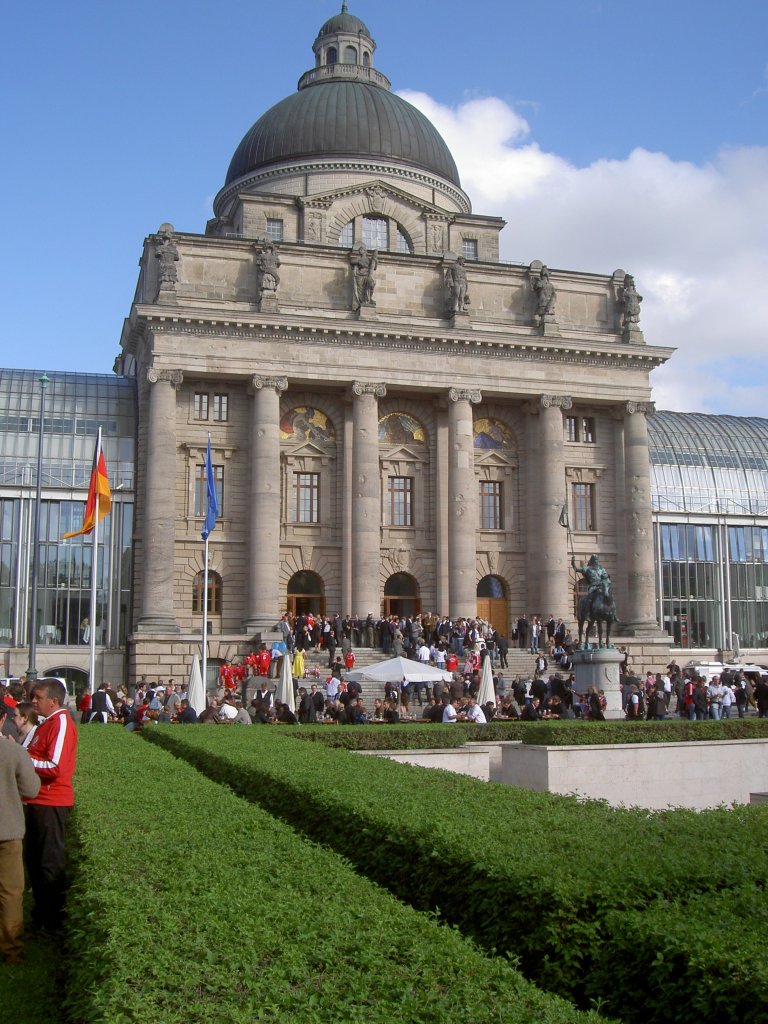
361,388
472,395
258,383
174,377
643,407
558,401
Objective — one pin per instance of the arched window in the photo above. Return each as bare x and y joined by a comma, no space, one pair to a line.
403,243
331,56
376,232
214,593
376,235
350,55
366,59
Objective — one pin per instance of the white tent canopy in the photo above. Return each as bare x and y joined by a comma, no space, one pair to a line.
395,670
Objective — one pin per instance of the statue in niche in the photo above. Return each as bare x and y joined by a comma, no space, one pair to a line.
267,276
458,286
364,264
167,254
546,296
630,303
437,238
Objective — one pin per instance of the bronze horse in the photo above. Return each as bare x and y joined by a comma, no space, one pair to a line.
597,607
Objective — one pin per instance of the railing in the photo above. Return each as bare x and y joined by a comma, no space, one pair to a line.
355,72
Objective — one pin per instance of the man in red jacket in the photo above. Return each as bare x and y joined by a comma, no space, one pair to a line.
53,751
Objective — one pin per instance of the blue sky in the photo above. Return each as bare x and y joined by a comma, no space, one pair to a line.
607,133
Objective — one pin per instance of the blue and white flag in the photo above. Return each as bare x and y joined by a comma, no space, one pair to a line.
211,498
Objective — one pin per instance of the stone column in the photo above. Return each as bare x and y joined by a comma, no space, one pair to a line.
347,560
441,504
158,556
263,590
640,613
365,539
551,569
462,509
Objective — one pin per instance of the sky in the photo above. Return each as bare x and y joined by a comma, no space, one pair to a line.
607,133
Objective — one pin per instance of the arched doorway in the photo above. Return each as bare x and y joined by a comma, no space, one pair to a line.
305,594
75,678
401,595
492,604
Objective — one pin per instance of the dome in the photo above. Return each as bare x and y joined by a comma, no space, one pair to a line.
346,23
350,119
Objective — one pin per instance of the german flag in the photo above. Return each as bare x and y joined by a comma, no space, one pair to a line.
99,486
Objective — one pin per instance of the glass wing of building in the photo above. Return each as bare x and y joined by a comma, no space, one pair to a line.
76,405
709,483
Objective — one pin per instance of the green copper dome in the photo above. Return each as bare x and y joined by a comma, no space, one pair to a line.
343,110
344,119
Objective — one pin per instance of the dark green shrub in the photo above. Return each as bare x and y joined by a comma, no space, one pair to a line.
539,875
192,907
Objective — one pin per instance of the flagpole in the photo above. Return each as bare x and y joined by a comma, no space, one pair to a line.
94,574
205,616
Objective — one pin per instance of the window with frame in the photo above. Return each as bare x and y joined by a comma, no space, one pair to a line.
220,408
347,235
201,489
403,242
469,249
399,508
583,506
214,593
275,229
376,232
491,505
588,429
305,498
200,405
571,428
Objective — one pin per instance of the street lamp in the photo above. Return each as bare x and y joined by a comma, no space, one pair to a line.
32,669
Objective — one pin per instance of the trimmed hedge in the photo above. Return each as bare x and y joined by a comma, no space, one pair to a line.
536,874
708,957
190,906
409,736
556,734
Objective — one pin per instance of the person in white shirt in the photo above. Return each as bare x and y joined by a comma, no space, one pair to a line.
227,711
475,713
450,712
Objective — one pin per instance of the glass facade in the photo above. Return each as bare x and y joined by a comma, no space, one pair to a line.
76,405
709,481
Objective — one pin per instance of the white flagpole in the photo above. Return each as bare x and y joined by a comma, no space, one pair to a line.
205,618
94,570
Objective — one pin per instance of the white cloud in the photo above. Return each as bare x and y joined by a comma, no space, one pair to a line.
695,238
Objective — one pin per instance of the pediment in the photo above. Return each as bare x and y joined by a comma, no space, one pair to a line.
374,192
494,458
404,452
308,449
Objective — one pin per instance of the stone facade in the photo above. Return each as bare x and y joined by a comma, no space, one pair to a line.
359,444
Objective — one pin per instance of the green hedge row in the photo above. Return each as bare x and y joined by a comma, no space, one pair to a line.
537,875
707,958
554,734
190,906
410,736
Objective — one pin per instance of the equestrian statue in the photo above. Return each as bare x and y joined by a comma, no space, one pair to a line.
597,605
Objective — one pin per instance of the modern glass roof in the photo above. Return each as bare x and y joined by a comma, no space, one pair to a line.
76,405
708,464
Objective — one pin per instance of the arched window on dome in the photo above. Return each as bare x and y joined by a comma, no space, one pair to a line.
350,55
366,59
376,235
376,232
331,56
403,241
214,593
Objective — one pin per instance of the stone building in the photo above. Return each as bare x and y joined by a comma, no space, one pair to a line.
397,417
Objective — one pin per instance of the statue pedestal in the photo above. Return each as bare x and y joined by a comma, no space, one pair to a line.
600,668
268,303
548,326
460,318
367,311
632,335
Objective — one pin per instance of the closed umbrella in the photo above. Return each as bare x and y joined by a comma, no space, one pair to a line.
285,684
195,688
486,692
